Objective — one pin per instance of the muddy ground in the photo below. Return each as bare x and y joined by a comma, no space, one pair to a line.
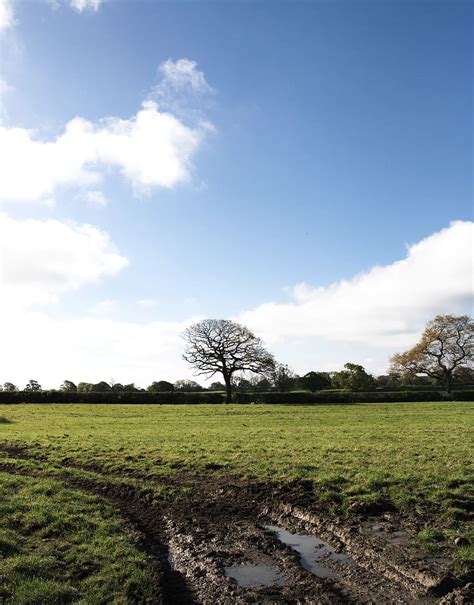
237,541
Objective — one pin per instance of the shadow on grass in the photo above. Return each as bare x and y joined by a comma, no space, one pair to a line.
4,420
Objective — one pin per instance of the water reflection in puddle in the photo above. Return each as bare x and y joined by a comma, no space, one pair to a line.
251,576
311,550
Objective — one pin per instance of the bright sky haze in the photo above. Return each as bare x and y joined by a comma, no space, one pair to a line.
304,168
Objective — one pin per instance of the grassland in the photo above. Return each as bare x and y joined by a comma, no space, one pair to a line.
58,545
416,457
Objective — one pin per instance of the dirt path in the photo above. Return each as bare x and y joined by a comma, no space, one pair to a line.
199,547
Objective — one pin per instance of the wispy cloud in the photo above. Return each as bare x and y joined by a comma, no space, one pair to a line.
7,14
182,73
105,307
97,198
7,17
182,89
5,88
147,303
84,5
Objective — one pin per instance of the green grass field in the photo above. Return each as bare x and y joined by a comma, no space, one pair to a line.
59,545
417,456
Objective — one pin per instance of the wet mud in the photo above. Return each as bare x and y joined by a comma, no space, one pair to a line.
239,541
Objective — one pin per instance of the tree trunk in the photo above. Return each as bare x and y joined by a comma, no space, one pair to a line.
228,388
448,382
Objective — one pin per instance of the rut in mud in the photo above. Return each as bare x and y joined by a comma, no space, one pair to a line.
233,541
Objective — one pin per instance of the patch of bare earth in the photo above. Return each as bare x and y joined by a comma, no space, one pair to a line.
216,546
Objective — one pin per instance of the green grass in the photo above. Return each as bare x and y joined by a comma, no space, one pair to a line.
59,545
416,456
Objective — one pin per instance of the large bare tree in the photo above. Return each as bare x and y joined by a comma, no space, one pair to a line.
447,343
220,346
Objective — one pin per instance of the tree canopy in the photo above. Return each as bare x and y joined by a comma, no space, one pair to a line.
160,386
446,346
315,381
353,378
221,346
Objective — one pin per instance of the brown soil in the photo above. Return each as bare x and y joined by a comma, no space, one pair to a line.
221,524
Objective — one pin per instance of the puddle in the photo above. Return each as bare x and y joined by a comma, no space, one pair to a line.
312,551
251,576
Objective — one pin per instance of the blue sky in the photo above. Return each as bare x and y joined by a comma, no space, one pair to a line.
328,137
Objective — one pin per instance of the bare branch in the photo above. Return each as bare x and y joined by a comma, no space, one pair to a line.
222,346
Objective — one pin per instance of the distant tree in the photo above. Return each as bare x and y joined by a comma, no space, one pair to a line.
315,381
216,386
447,344
117,387
130,388
85,387
220,346
419,380
101,387
353,378
187,386
283,378
68,387
463,375
387,381
162,386
260,384
242,384
33,385
9,387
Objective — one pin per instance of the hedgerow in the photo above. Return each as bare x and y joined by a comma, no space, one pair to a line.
272,397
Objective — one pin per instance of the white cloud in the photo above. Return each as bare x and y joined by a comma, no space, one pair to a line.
83,5
147,303
385,307
97,198
151,149
5,87
7,19
364,319
89,349
105,307
41,259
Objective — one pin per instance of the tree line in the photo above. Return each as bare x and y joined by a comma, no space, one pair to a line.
353,378
443,357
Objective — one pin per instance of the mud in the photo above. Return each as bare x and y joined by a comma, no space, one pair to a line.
215,546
